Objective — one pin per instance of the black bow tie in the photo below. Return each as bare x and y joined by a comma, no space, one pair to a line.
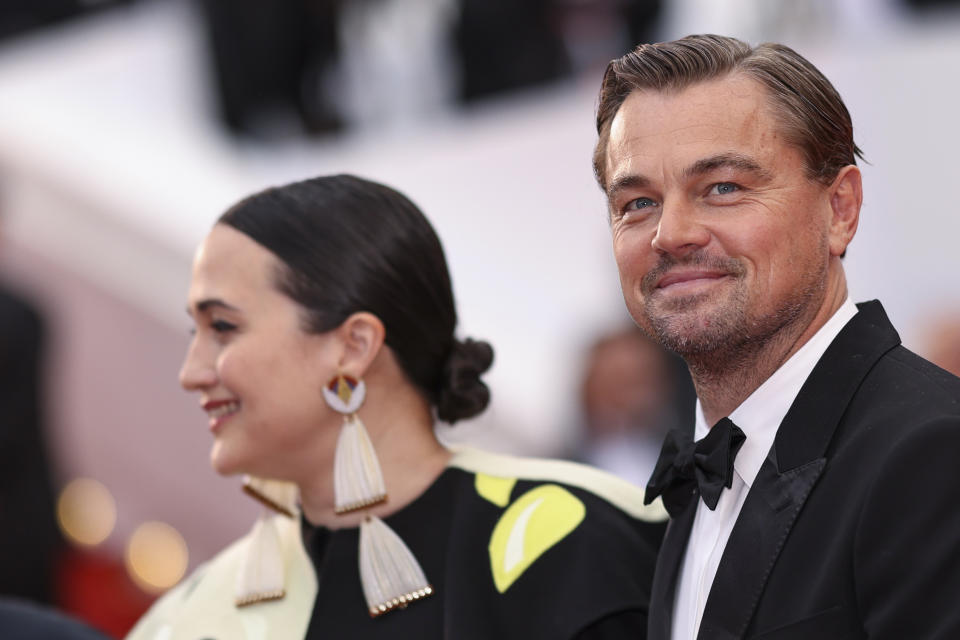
686,467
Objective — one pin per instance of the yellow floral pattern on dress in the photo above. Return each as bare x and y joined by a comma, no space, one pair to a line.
536,521
494,488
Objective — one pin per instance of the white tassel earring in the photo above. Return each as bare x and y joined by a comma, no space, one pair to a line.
390,574
261,577
357,480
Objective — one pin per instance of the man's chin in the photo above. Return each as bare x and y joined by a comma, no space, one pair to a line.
661,304
678,317
694,330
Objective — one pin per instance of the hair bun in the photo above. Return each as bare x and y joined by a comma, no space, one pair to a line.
462,393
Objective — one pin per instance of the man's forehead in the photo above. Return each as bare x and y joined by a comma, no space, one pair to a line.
691,111
730,114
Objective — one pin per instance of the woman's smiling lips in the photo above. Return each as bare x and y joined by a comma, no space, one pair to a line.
220,411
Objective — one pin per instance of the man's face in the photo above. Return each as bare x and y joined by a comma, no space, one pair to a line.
720,238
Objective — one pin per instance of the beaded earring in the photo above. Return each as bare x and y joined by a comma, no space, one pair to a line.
390,574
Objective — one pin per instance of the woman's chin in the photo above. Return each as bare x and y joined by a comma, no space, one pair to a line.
223,464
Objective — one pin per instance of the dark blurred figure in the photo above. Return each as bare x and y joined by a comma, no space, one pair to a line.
22,16
21,620
505,45
640,17
29,538
594,31
270,60
278,66
633,392
931,4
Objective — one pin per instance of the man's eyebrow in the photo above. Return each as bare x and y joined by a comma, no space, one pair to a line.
205,304
726,160
629,181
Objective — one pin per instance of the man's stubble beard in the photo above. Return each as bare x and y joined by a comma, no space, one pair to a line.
725,337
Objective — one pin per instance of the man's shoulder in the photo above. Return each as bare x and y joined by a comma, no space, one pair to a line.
884,378
924,376
906,389
904,405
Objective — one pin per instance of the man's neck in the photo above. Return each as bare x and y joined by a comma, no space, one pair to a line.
723,380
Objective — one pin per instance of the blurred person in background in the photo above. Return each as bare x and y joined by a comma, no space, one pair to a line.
632,393
18,17
269,61
943,342
817,496
24,620
324,352
300,67
30,542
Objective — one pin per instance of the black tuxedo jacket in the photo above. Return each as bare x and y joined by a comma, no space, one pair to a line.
852,526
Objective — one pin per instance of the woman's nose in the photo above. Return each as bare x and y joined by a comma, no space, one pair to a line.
198,371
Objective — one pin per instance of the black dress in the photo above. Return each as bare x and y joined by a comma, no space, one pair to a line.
593,582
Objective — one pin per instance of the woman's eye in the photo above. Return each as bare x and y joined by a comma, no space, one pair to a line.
222,326
723,188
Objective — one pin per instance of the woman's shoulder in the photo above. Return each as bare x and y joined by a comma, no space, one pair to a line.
206,603
556,546
496,475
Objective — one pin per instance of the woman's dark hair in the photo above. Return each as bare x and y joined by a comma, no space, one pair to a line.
345,245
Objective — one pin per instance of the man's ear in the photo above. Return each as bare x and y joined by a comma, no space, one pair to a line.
362,335
846,196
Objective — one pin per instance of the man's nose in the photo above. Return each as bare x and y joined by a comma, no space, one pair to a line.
679,231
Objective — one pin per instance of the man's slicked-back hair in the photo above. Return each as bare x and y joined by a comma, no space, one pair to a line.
810,112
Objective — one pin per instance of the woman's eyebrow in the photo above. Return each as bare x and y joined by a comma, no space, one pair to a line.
207,303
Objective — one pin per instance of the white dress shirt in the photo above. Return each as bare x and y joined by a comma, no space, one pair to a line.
759,416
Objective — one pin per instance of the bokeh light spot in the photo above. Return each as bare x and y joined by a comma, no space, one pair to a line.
86,512
156,556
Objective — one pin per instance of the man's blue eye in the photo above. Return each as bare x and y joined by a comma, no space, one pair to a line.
724,188
641,203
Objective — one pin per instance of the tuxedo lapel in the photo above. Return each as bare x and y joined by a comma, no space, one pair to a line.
795,462
765,520
667,572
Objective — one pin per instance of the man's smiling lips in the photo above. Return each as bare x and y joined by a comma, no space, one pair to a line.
686,280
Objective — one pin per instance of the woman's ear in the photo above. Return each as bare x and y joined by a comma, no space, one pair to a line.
362,335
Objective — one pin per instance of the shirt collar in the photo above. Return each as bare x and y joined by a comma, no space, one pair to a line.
760,415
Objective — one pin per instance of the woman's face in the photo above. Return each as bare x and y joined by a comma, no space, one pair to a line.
259,375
